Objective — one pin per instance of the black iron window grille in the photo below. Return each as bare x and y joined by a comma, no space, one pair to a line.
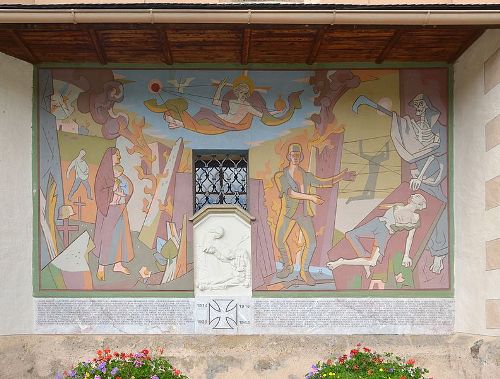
220,178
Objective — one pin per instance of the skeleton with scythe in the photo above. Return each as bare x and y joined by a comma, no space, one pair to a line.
422,141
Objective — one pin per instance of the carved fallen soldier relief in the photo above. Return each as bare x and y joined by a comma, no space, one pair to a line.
225,266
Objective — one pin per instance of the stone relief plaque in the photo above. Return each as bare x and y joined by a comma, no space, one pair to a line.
222,252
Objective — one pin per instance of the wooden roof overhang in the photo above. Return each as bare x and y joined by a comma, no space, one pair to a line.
234,42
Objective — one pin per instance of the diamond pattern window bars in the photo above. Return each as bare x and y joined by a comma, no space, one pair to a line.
220,178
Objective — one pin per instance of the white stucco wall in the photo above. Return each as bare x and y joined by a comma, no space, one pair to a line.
472,167
473,109
16,210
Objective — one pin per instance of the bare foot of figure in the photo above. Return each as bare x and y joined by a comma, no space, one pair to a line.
118,267
341,261
172,122
334,264
437,266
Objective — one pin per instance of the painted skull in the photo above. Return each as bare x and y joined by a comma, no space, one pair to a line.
420,105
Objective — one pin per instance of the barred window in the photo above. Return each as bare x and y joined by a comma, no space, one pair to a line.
220,178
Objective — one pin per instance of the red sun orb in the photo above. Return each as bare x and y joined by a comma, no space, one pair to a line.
155,86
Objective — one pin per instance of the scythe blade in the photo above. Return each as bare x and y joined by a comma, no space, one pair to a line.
363,100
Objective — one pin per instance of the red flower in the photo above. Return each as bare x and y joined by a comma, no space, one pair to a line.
354,351
116,354
107,351
366,349
177,372
358,344
99,352
410,362
145,351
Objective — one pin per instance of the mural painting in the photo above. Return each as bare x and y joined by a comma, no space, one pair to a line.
346,176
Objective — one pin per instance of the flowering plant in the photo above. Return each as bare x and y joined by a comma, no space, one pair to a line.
114,365
362,363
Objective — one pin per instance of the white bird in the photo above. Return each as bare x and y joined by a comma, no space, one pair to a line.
180,84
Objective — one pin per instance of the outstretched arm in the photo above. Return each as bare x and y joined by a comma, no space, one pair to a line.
415,183
253,111
332,180
216,98
387,206
70,167
409,240
437,179
305,196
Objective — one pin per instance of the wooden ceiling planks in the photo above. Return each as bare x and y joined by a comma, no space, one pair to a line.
344,44
233,43
279,45
428,44
204,45
15,46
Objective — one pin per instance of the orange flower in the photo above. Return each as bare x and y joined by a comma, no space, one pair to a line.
410,362
402,377
99,352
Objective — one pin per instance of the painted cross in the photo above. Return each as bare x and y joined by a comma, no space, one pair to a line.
223,314
66,228
80,204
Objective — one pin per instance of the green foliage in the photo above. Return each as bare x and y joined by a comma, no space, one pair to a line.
362,363
114,365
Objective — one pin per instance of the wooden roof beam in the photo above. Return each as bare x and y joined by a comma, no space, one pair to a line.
245,45
318,40
32,58
98,47
389,46
165,46
465,45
